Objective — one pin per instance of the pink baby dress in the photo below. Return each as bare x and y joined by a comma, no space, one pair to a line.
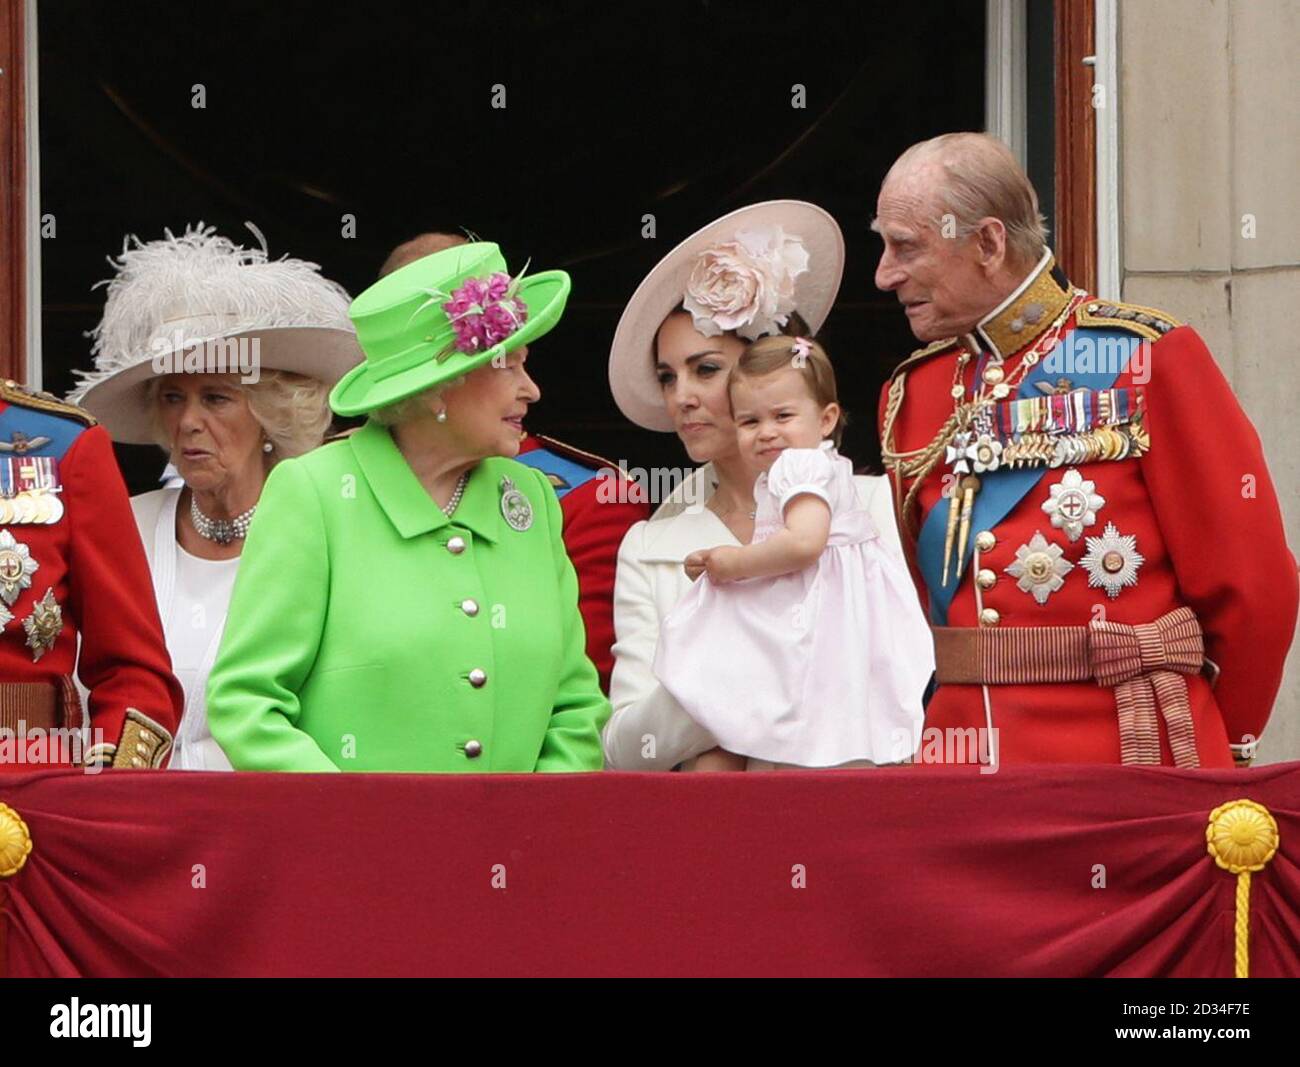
814,668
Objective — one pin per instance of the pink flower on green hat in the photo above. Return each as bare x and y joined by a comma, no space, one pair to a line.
484,312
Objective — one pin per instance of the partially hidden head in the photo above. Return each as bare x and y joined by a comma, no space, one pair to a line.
419,246
768,269
961,230
783,395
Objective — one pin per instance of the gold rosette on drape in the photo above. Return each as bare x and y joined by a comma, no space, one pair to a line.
1242,837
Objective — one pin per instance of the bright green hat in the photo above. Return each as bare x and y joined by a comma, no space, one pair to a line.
411,343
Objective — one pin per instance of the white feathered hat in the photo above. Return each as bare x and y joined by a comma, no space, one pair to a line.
171,298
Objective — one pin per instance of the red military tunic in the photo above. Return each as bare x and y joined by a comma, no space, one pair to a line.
598,510
72,569
1191,522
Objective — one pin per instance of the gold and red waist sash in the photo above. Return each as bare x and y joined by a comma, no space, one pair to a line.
43,705
1143,663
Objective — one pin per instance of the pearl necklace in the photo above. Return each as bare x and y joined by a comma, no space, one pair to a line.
457,494
222,531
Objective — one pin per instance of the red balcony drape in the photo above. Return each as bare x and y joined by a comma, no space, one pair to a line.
905,871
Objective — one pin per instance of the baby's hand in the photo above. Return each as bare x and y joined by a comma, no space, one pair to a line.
696,563
723,563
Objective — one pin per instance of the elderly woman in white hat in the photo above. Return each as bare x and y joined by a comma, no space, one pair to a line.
224,359
769,268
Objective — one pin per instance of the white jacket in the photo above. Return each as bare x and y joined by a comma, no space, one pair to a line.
649,730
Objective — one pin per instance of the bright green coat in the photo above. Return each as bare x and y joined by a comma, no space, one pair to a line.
353,629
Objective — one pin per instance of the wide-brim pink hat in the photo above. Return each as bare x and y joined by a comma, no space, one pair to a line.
632,377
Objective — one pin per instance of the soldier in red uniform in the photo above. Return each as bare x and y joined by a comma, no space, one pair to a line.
71,565
598,508
1085,507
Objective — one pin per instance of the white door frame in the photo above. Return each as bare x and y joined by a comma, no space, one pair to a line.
1106,77
1006,97
1005,93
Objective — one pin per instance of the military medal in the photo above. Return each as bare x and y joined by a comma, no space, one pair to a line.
988,453
515,508
27,488
1073,504
43,625
16,567
1039,568
975,446
24,508
1112,561
960,452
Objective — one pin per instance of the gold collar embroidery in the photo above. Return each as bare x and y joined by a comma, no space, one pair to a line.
1021,319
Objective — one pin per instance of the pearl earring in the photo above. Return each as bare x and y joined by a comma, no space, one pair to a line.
442,415
267,446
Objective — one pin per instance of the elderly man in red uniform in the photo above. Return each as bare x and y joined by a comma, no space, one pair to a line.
1084,505
596,514
72,566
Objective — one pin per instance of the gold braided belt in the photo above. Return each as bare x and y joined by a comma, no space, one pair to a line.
1144,664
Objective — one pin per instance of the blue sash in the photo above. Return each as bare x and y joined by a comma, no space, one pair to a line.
1091,359
570,475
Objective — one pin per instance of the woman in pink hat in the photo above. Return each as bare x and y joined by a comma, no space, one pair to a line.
771,268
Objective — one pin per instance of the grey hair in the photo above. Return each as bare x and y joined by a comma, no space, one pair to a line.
982,180
412,407
292,410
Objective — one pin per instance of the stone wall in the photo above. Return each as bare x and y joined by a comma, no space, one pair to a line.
1209,101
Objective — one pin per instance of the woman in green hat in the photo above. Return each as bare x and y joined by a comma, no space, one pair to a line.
404,601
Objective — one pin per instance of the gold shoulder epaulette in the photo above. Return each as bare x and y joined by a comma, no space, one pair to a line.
1146,322
589,459
13,393
924,353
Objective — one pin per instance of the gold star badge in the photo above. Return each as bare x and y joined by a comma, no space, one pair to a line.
43,625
